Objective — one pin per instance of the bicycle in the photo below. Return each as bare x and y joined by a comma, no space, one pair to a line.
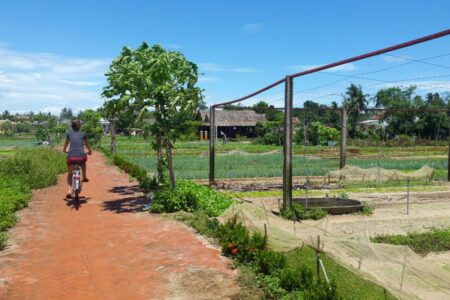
76,184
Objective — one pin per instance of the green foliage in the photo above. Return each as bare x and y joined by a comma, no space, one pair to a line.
91,125
367,210
270,262
297,277
237,241
435,240
189,196
321,134
146,183
27,170
270,133
36,167
203,224
297,212
322,291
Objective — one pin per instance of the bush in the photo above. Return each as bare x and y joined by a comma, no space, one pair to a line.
322,291
298,277
297,212
238,242
270,262
189,196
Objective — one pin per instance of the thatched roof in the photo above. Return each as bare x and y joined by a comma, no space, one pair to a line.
233,117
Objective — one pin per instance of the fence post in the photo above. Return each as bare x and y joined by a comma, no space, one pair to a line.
287,146
212,144
343,153
407,196
448,165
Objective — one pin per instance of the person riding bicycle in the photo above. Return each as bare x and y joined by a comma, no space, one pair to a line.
76,155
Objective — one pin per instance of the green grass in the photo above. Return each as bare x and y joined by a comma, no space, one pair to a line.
350,285
436,240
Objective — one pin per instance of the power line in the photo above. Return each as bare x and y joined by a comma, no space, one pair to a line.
418,61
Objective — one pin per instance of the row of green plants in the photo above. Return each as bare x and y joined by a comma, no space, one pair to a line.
249,166
275,275
435,240
19,175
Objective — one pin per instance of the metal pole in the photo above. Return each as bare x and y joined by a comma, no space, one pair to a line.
448,166
306,192
407,196
343,153
212,144
287,146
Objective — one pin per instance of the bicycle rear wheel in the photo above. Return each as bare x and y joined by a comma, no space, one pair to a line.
76,200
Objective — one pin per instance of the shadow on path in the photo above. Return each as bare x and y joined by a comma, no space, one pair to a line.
127,205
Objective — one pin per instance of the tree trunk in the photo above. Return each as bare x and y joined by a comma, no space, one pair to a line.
159,155
169,157
113,136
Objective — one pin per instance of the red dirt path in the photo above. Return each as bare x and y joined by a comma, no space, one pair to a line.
108,249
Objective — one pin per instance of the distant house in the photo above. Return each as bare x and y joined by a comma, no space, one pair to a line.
373,123
23,118
234,123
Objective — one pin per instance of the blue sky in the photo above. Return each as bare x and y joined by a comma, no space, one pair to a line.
53,54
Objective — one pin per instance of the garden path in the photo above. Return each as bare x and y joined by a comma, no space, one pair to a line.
109,249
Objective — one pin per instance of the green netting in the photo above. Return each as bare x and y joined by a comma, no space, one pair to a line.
401,271
352,173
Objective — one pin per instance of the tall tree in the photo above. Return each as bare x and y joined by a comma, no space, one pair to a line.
356,102
66,113
157,79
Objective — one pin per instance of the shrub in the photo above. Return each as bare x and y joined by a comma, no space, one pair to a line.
189,196
238,242
270,262
297,212
322,291
297,277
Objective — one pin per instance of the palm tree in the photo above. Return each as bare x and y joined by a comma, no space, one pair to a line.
356,101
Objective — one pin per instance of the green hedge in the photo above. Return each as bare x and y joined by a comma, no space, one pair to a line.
19,175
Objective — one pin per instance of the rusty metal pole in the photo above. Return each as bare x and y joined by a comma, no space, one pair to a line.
212,145
344,131
448,164
287,146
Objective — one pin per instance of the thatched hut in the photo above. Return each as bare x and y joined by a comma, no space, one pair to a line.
233,123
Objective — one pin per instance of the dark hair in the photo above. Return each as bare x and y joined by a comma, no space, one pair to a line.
76,125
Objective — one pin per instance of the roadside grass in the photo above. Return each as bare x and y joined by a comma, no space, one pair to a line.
435,240
27,170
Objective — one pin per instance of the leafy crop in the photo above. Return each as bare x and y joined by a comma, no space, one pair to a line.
435,240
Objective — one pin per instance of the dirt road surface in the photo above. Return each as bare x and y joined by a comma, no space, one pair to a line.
108,249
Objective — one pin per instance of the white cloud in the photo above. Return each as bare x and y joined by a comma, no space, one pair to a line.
342,68
203,79
38,81
394,59
221,68
253,28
